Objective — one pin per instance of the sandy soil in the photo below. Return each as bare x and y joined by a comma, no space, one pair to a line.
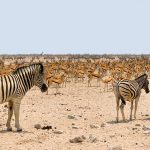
93,113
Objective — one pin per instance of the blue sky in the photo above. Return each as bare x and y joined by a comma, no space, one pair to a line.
75,26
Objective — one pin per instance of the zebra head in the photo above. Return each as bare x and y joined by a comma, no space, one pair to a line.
39,78
146,84
143,82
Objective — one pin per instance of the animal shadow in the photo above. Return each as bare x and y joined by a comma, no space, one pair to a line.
14,131
115,122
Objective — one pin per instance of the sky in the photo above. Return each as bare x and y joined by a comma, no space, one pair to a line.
75,26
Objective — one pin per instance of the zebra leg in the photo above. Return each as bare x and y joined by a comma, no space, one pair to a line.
131,110
136,104
122,111
10,113
16,107
117,108
117,102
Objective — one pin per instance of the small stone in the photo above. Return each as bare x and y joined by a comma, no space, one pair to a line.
94,126
68,109
83,137
111,136
75,127
78,139
134,128
58,132
37,126
71,117
138,125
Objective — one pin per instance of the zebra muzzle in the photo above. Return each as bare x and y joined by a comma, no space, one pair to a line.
44,88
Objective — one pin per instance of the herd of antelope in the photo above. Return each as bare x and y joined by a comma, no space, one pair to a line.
127,75
104,70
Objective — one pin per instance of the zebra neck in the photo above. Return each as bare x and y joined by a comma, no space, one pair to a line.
24,82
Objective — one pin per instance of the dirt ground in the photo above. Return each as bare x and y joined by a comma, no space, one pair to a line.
79,111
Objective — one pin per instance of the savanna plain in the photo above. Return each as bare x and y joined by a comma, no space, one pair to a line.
80,115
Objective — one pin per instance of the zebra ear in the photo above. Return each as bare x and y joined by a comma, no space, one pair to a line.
145,76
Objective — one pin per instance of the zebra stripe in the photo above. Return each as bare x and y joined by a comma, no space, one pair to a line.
2,87
10,91
6,85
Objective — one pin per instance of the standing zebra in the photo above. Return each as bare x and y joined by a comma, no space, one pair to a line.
128,90
14,86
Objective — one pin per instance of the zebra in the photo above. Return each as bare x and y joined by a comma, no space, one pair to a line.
128,90
15,85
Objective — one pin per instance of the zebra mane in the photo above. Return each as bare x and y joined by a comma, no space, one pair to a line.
34,64
144,75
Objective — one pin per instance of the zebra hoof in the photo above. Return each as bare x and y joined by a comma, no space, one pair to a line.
9,129
19,130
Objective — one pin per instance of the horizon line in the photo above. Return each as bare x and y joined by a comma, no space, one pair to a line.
76,54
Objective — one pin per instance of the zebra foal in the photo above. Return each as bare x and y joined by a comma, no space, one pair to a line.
128,90
14,86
